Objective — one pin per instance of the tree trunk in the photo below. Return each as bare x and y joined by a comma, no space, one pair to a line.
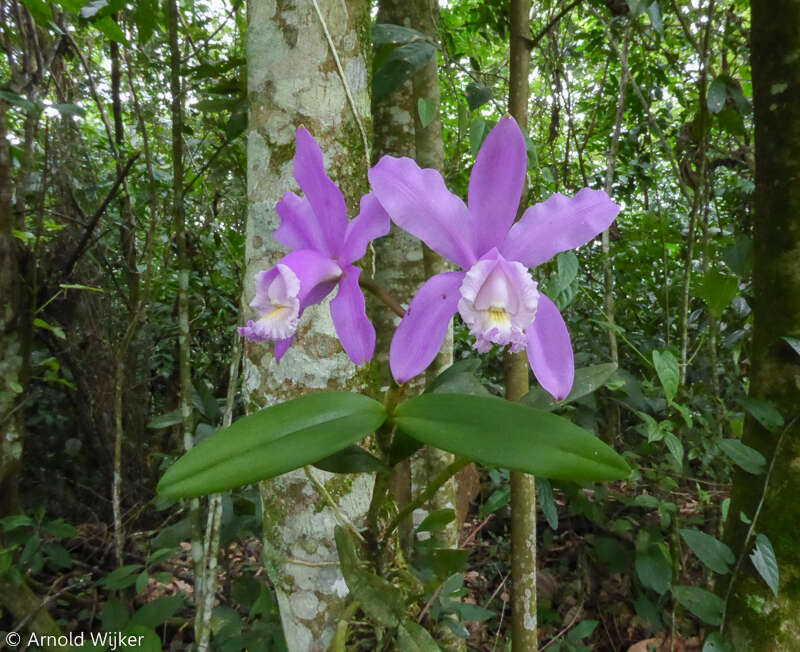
524,622
11,346
755,618
293,81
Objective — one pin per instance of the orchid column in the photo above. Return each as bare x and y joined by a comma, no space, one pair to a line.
294,81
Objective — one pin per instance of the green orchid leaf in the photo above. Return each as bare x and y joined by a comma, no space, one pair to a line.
272,441
506,434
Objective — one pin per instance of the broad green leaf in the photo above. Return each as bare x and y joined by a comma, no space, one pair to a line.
401,63
717,93
473,612
703,604
763,558
667,369
582,630
11,523
60,529
146,639
413,637
141,582
497,500
70,109
114,615
675,447
352,459
73,6
109,28
654,12
437,520
612,553
272,441
566,271
710,550
459,378
427,111
145,17
532,441
717,290
637,7
477,132
477,95
17,100
653,569
546,500
158,611
381,600
122,577
40,10
55,330
587,380
740,255
747,458
763,412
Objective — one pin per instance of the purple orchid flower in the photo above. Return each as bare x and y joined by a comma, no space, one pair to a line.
325,245
496,296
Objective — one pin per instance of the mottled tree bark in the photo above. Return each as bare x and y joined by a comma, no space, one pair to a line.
756,619
293,80
399,256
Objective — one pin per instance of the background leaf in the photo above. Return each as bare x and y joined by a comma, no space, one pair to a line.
668,373
710,550
763,558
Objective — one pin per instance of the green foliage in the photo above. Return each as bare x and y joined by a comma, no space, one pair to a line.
533,441
272,441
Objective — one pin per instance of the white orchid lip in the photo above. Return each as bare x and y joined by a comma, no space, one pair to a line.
498,302
281,309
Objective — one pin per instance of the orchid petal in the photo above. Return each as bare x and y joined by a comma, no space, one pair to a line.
282,346
550,350
418,201
300,228
558,224
372,222
318,275
495,186
348,309
323,194
421,332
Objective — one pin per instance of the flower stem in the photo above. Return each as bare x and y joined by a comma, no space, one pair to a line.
368,283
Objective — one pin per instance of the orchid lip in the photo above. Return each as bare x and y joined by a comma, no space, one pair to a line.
498,302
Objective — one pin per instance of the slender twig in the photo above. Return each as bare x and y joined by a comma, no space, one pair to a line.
206,165
92,223
543,32
443,476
